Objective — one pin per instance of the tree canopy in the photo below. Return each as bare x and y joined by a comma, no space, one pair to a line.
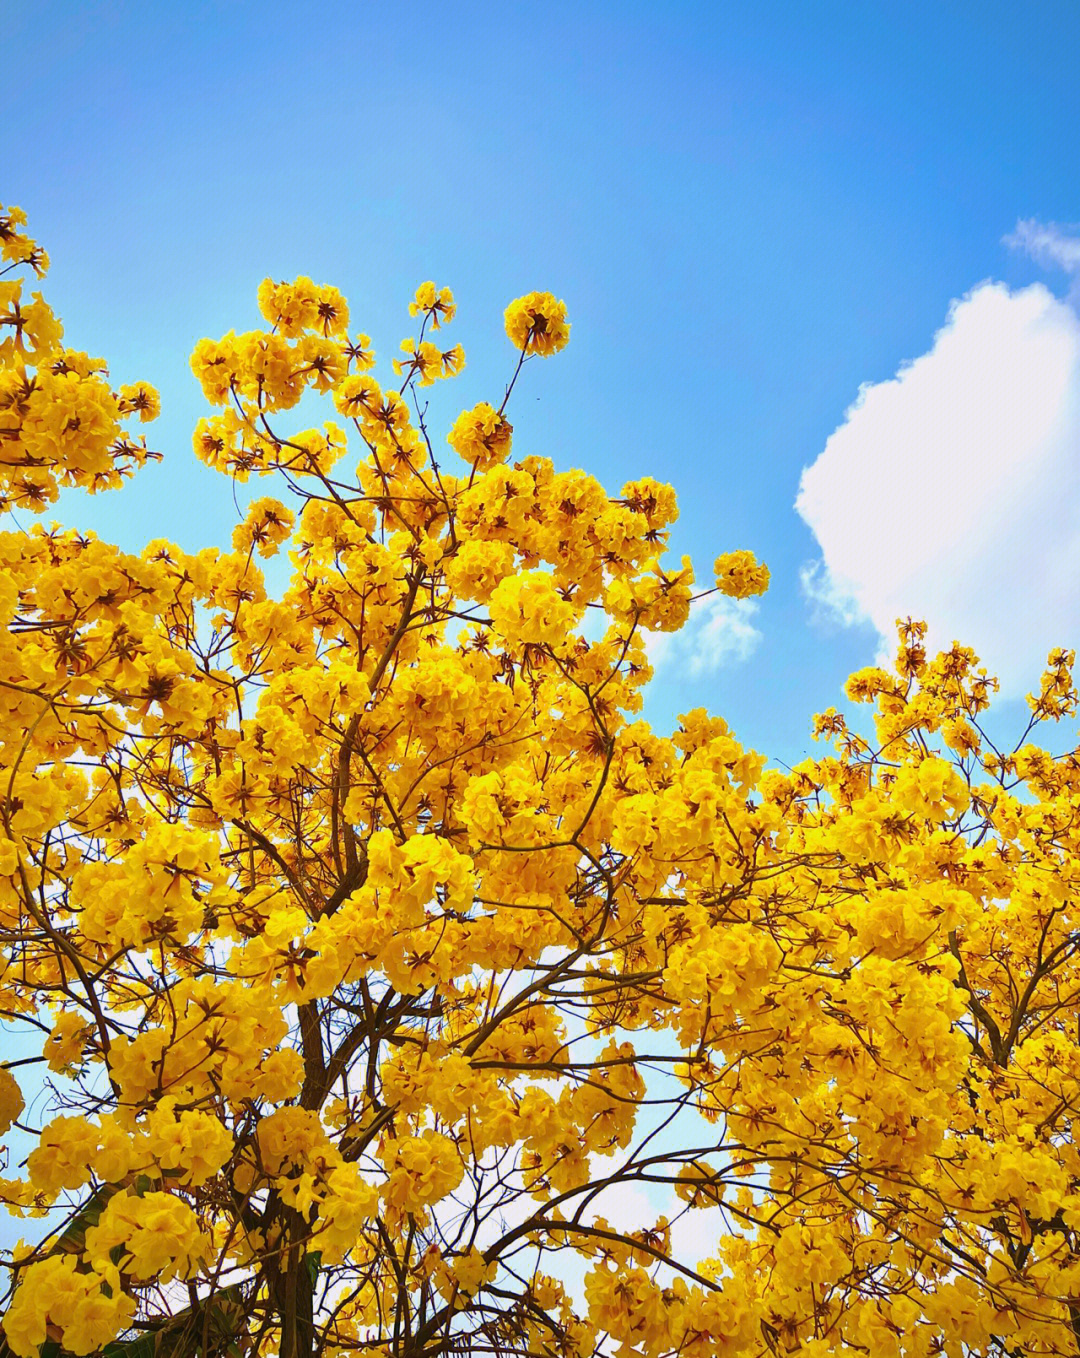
384,962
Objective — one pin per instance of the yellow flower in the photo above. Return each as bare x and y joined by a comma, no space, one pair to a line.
477,568
41,328
11,1099
357,396
67,1040
536,324
424,360
481,436
527,608
437,303
453,361
143,398
157,1236
422,1170
9,857
72,421
64,1155
266,526
739,575
192,1142
53,1295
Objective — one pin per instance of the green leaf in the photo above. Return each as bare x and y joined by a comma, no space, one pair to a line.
72,1239
143,1347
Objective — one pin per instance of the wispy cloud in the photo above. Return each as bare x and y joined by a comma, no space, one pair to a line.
1052,245
719,633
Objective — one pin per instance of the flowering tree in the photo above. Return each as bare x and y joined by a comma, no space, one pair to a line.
404,993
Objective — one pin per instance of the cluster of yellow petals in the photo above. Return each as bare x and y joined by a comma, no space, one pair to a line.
61,424
536,324
481,436
64,1300
11,1099
376,945
434,304
740,574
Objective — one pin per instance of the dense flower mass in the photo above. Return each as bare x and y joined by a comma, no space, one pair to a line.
403,992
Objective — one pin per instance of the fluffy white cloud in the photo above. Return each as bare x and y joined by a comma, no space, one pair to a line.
718,633
952,491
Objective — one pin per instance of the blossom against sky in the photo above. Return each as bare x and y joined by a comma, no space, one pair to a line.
789,237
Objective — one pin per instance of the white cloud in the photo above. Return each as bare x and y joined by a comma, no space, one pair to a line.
696,1233
1047,243
624,1206
952,491
718,633
832,602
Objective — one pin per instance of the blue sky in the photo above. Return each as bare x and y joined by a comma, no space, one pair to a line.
752,211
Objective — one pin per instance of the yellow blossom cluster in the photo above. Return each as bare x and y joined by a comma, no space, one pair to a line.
740,574
481,436
61,424
536,324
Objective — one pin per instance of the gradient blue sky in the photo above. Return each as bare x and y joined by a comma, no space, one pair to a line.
750,210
